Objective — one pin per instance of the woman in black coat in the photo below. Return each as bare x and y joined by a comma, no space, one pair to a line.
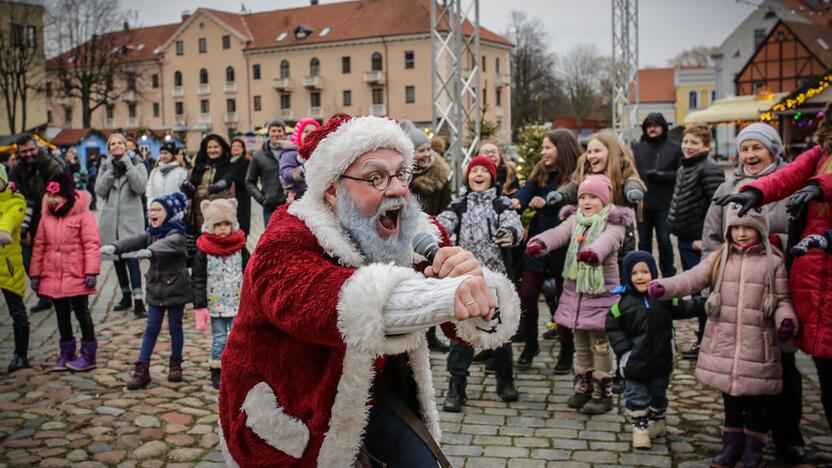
213,176
240,160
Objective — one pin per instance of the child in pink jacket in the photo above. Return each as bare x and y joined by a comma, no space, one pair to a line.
749,312
594,232
65,266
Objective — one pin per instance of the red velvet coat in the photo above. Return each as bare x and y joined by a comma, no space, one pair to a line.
811,274
299,366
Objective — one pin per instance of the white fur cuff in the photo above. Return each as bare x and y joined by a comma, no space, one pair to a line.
477,333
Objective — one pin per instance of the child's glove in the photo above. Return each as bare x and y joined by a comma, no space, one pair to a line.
796,201
35,280
588,256
634,196
108,249
5,238
786,330
202,318
217,187
139,254
535,248
655,290
504,237
814,241
554,197
90,281
188,188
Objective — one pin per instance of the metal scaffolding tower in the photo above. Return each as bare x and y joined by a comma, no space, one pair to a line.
455,72
625,68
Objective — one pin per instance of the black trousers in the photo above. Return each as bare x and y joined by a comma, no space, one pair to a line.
460,357
747,412
63,310
787,407
824,367
20,319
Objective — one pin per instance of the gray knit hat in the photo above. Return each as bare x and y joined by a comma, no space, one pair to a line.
417,136
765,134
276,123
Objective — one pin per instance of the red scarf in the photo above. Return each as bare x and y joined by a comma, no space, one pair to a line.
222,246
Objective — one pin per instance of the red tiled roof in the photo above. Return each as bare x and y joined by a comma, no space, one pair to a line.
141,42
809,34
73,136
656,85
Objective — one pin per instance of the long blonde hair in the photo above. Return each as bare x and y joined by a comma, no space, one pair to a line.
621,166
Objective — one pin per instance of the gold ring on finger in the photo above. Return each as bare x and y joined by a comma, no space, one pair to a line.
469,303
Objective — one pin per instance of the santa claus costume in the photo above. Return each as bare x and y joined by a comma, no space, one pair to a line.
312,332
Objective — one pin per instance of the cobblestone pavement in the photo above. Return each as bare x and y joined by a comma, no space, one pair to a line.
89,419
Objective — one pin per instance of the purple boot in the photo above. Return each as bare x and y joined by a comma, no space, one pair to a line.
67,354
86,361
732,448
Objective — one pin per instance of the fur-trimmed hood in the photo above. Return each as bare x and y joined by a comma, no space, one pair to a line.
618,215
433,179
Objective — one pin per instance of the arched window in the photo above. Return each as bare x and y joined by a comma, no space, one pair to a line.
376,63
229,74
693,100
284,69
203,76
177,78
314,67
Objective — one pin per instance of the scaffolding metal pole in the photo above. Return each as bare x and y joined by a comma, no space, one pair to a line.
455,78
625,68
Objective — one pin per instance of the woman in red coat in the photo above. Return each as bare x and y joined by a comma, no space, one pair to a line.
807,182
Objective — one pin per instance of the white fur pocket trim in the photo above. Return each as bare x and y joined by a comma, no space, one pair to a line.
267,419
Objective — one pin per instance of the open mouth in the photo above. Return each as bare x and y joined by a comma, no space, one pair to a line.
389,220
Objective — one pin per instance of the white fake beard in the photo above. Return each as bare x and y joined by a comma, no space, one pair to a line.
364,231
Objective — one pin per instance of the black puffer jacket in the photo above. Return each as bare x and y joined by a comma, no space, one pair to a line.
657,160
644,328
265,168
696,182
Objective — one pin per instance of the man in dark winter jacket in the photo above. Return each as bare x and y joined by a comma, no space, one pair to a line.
31,173
265,168
657,160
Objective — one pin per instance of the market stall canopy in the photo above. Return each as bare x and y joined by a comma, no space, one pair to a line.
735,109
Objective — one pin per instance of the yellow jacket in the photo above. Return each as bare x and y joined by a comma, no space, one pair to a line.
12,208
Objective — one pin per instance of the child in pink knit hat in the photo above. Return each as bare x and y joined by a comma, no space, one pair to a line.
292,169
594,231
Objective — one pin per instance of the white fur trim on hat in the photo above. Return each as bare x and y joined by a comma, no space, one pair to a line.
342,147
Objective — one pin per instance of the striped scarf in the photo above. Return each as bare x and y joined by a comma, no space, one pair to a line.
588,279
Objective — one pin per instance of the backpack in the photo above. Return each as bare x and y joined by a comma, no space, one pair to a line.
499,204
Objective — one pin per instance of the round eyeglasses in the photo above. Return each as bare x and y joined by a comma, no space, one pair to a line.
380,181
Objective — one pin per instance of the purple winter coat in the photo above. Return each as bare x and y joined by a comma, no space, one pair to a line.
290,172
589,311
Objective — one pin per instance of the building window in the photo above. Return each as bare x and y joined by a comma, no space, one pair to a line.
498,95
286,101
257,103
177,78
255,71
49,116
497,65
485,95
110,112
231,105
226,42
180,48
345,65
376,63
409,94
203,76
157,109
68,116
713,96
154,80
409,60
378,95
17,35
284,69
315,99
131,81
759,37
347,98
48,89
204,106
482,63
229,75
131,111
31,36
693,100
314,67
203,45
179,108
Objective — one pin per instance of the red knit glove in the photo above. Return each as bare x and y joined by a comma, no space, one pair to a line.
588,256
655,290
774,240
535,248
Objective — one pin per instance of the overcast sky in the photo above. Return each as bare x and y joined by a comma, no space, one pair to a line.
667,27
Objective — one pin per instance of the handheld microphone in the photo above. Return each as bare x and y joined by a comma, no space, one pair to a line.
424,245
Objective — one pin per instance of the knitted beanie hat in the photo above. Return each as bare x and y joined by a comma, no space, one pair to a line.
297,134
174,204
218,211
417,136
485,162
62,184
598,185
631,260
765,134
170,147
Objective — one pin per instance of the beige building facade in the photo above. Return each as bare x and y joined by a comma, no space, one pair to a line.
220,72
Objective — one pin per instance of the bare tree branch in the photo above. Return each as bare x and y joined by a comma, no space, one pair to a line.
699,56
580,71
21,62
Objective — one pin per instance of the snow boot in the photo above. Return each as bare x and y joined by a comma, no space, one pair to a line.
601,401
732,448
656,424
175,370
20,360
141,376
67,354
583,389
752,454
86,360
641,435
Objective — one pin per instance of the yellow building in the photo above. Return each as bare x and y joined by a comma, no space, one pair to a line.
221,72
21,32
695,90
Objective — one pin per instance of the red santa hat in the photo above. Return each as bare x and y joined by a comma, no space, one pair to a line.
331,149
